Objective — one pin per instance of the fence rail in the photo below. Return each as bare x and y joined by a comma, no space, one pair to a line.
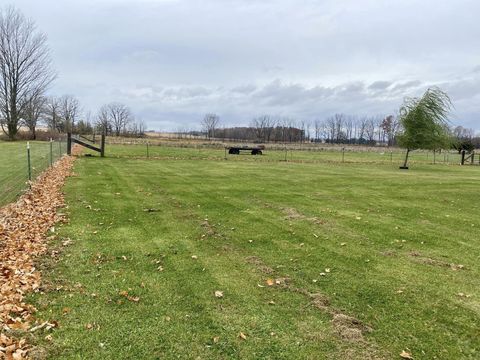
24,161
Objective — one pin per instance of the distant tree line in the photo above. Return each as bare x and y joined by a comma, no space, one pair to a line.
336,129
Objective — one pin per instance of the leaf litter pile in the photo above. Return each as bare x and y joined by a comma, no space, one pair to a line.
23,229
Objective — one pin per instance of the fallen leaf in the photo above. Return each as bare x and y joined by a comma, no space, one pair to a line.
406,355
66,310
218,294
242,336
270,282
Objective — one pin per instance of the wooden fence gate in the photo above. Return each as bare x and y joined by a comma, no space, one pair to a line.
469,158
85,142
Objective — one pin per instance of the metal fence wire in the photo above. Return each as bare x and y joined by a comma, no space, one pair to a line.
21,162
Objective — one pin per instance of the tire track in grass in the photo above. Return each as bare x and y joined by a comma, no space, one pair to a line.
342,323
236,275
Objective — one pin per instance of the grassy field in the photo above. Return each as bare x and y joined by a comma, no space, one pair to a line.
14,165
314,261
305,154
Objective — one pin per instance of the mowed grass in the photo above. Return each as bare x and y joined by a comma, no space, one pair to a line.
397,251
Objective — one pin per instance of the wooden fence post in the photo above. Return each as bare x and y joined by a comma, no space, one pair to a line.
102,147
69,143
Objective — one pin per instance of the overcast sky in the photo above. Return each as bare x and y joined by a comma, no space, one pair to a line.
172,61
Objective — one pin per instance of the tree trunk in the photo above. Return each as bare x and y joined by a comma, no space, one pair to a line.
406,158
12,129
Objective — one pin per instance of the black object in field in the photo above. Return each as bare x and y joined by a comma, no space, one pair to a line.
254,150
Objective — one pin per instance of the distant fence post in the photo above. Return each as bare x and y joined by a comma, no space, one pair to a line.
102,147
343,155
51,151
463,157
29,164
148,152
69,143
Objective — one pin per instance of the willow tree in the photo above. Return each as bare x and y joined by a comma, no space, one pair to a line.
424,122
25,67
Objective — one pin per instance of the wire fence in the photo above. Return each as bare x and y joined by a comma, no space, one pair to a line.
21,162
278,152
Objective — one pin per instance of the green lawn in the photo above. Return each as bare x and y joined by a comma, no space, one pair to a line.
369,261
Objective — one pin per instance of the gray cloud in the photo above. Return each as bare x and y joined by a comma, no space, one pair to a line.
173,60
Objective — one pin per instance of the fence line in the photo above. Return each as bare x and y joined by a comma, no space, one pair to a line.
321,154
20,161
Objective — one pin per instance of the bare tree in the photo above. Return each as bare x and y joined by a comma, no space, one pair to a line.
362,129
370,129
69,110
210,123
33,110
263,127
120,116
339,124
349,128
52,114
25,67
390,126
331,129
317,128
103,120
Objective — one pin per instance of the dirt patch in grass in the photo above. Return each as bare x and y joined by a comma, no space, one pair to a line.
259,265
388,253
349,328
420,259
345,327
292,214
208,229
